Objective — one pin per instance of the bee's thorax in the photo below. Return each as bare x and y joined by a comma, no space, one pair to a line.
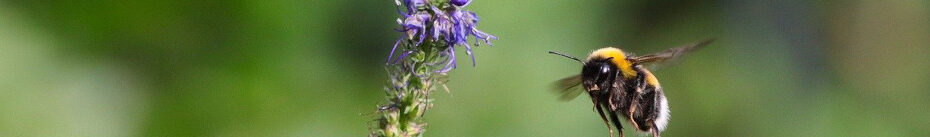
617,57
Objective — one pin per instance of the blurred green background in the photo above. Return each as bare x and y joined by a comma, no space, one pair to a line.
315,68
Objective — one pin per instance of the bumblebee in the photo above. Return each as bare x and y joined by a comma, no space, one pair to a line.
619,84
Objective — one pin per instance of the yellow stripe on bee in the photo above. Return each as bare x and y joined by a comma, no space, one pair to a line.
619,59
651,79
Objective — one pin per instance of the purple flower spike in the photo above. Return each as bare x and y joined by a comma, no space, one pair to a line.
425,22
459,2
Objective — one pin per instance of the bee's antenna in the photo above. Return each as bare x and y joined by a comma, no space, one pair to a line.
567,56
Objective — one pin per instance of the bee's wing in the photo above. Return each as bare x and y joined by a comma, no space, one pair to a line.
671,54
569,87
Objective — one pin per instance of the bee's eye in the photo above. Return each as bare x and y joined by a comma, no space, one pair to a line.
605,69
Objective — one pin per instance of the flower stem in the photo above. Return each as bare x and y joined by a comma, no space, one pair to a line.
412,81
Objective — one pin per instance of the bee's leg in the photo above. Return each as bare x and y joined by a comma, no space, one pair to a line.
601,112
616,120
655,131
630,115
611,102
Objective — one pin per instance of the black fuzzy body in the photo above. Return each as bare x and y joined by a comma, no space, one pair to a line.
623,97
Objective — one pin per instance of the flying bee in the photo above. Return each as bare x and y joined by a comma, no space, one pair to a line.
619,83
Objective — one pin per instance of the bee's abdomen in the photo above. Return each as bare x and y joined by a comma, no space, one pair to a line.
649,108
647,103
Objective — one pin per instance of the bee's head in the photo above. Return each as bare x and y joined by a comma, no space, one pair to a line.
602,68
598,74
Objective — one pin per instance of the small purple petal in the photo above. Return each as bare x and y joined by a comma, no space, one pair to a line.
392,51
401,57
450,62
472,56
459,2
413,4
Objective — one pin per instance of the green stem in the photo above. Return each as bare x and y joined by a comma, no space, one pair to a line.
408,92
